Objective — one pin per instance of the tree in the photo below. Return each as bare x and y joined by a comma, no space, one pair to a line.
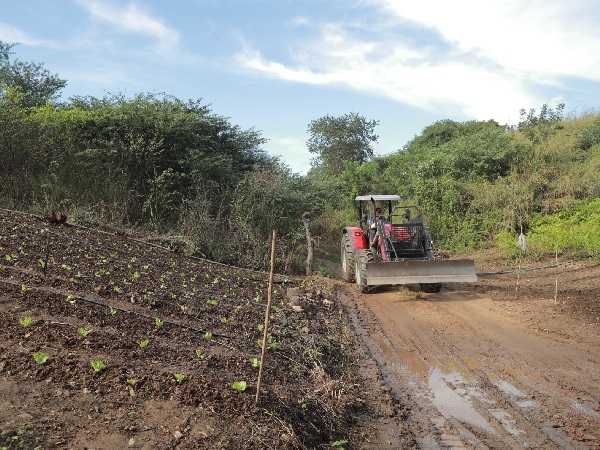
38,85
338,139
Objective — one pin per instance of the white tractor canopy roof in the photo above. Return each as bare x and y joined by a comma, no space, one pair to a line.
377,198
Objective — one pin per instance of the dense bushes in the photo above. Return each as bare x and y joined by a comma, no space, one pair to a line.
174,167
478,180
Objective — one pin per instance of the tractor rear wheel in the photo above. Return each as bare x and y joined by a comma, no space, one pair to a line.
363,258
348,259
431,287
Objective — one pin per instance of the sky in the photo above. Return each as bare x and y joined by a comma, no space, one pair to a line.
277,65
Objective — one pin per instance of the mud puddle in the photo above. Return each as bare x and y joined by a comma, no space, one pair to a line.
465,389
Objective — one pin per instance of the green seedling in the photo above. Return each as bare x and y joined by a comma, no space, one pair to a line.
208,335
223,319
71,299
83,332
158,322
183,308
113,311
42,263
339,444
25,288
66,267
302,404
179,377
144,344
10,257
199,353
239,386
98,365
25,321
272,343
255,363
41,357
117,289
212,302
132,381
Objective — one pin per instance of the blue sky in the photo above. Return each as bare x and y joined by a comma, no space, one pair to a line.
275,65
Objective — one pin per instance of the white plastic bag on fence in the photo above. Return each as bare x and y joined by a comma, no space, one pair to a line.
522,242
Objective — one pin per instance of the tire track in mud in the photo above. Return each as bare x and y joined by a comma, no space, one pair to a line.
452,372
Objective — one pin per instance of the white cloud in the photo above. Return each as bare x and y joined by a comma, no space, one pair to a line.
406,76
132,19
480,60
11,35
539,36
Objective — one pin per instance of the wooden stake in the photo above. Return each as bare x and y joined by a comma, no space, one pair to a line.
267,314
310,244
518,276
556,284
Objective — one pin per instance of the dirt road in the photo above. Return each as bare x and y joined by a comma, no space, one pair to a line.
485,366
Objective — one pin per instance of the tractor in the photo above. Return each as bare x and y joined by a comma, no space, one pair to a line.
391,246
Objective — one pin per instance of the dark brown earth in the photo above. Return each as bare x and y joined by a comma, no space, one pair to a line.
480,365
81,295
512,361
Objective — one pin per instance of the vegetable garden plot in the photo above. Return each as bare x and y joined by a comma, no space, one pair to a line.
117,324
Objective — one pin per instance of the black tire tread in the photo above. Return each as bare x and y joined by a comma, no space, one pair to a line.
348,270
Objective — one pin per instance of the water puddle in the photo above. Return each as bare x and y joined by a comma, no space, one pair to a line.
455,392
450,404
508,423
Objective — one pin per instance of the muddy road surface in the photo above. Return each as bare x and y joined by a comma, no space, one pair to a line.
492,365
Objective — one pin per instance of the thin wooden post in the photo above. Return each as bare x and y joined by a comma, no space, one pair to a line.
267,314
310,244
556,274
518,275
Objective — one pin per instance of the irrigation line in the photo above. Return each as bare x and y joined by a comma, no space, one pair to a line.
208,261
118,308
239,301
530,269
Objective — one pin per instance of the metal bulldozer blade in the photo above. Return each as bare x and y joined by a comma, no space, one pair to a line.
409,272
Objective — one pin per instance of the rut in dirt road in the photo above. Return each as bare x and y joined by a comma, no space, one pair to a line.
476,375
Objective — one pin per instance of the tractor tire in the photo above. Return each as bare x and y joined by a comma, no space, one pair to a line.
348,259
431,287
363,257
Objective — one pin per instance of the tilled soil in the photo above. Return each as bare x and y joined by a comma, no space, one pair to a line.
108,342
509,362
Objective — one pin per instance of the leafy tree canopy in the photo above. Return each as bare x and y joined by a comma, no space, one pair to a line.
38,85
338,139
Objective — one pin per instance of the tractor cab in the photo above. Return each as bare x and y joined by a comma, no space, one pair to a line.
391,245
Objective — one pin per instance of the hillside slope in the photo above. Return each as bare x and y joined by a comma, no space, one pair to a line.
174,336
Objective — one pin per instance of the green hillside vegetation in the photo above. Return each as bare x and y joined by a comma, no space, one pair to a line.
174,168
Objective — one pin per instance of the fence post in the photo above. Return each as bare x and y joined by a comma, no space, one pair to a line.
267,313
